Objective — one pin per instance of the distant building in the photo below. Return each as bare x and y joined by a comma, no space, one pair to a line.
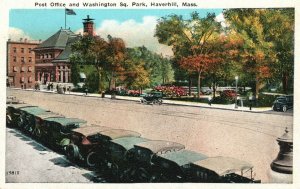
21,63
52,56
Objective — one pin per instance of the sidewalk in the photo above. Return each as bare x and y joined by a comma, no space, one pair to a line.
170,102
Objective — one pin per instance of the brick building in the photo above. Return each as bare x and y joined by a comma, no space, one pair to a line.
52,56
21,63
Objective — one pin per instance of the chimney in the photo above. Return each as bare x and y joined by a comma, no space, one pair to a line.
88,26
21,39
25,40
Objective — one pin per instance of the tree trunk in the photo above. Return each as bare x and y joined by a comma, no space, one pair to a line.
214,89
100,86
190,86
199,84
284,83
256,87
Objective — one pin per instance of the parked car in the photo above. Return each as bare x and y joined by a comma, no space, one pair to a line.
283,103
98,156
114,155
57,130
27,117
38,128
140,159
13,114
12,100
80,146
174,166
222,170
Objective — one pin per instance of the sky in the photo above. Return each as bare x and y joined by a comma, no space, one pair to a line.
135,26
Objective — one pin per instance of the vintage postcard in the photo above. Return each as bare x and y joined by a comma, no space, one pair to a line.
150,94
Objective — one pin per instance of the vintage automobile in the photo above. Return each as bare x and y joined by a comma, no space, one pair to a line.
13,113
140,159
80,146
12,100
173,166
56,130
37,129
27,117
221,170
115,155
283,103
98,155
152,98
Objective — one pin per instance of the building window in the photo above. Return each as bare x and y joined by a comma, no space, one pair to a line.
15,59
15,49
50,55
23,69
22,79
46,55
30,79
29,50
15,68
29,69
30,59
22,59
22,50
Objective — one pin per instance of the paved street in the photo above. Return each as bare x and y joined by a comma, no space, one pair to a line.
244,135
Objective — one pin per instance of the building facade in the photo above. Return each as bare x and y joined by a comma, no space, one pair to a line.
21,63
52,56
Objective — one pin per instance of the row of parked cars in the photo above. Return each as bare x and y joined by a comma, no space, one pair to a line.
123,155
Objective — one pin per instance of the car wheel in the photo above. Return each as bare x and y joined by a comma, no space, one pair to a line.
91,159
72,152
8,121
284,108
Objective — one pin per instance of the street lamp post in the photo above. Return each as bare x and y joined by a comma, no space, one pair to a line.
236,83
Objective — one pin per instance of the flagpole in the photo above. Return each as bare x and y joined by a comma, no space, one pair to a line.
65,19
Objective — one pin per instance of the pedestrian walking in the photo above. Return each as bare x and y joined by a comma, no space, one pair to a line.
209,100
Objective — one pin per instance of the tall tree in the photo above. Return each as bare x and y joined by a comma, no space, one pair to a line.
280,31
189,39
268,42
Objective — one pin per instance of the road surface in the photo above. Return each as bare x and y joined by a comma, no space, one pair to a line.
242,135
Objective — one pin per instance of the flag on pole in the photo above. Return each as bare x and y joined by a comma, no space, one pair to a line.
70,12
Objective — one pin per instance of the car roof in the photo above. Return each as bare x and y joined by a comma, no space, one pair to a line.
48,115
34,110
17,106
91,130
129,142
65,121
183,157
223,165
119,133
160,145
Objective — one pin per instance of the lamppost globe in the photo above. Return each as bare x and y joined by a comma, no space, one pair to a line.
236,77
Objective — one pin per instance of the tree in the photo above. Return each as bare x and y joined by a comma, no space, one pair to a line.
280,31
116,50
106,57
190,39
91,50
268,42
75,76
159,68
